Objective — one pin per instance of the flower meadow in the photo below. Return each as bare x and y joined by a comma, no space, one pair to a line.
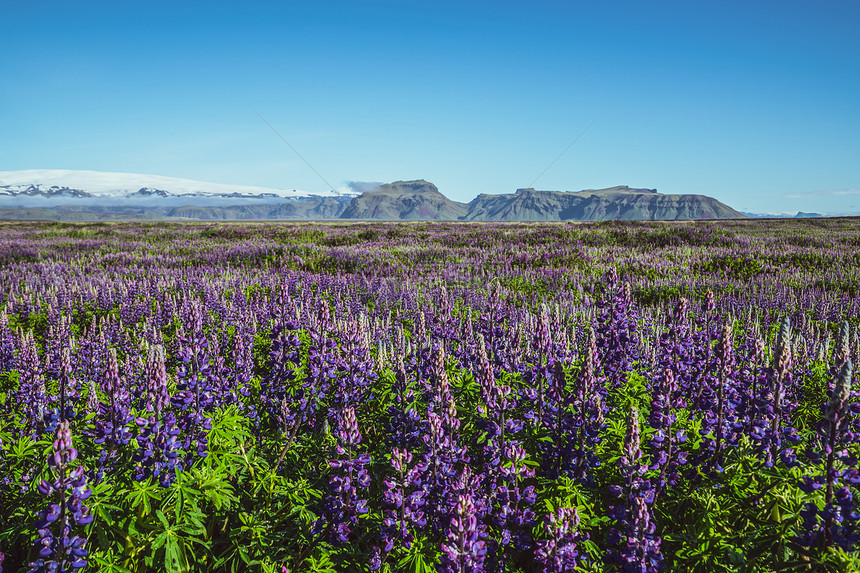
454,397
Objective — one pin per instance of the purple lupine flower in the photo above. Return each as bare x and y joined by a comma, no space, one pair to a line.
768,409
558,552
443,455
288,409
7,343
783,363
497,404
111,426
507,497
496,407
542,344
581,419
354,371
198,391
842,352
59,549
158,444
725,358
421,331
242,357
31,395
157,394
403,498
484,374
636,548
344,504
513,500
709,301
838,522
404,428
663,446
92,398
464,549
617,330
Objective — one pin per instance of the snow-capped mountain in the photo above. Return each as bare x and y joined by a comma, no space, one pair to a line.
61,183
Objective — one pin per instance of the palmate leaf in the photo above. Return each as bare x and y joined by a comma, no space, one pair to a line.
105,562
415,563
177,547
207,486
634,392
141,495
250,543
320,564
229,429
24,448
420,558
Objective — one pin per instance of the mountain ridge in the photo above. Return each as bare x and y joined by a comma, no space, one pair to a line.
619,202
108,184
65,195
404,201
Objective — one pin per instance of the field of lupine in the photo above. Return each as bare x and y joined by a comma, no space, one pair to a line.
430,396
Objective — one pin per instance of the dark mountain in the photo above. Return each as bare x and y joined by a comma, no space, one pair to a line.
799,215
620,202
404,200
305,208
53,192
804,215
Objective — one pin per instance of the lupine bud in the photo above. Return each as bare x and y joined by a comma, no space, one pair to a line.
631,452
782,354
838,404
843,345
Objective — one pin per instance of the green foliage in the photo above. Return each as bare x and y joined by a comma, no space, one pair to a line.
253,502
734,266
519,285
815,393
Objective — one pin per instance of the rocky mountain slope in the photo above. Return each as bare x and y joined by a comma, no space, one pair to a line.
596,205
306,208
404,200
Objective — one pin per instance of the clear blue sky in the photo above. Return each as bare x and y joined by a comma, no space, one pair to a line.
756,103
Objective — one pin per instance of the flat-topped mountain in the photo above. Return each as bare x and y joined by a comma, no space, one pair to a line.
404,200
620,202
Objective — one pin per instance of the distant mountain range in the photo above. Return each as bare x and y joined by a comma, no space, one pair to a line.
69,184
620,202
91,195
407,200
798,215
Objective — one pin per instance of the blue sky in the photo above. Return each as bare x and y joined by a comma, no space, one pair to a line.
756,103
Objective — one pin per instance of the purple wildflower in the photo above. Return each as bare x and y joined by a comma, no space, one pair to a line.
59,549
558,552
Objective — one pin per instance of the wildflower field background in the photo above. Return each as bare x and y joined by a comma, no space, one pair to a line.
430,396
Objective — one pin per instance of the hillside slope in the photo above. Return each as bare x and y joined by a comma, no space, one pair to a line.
620,202
404,200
